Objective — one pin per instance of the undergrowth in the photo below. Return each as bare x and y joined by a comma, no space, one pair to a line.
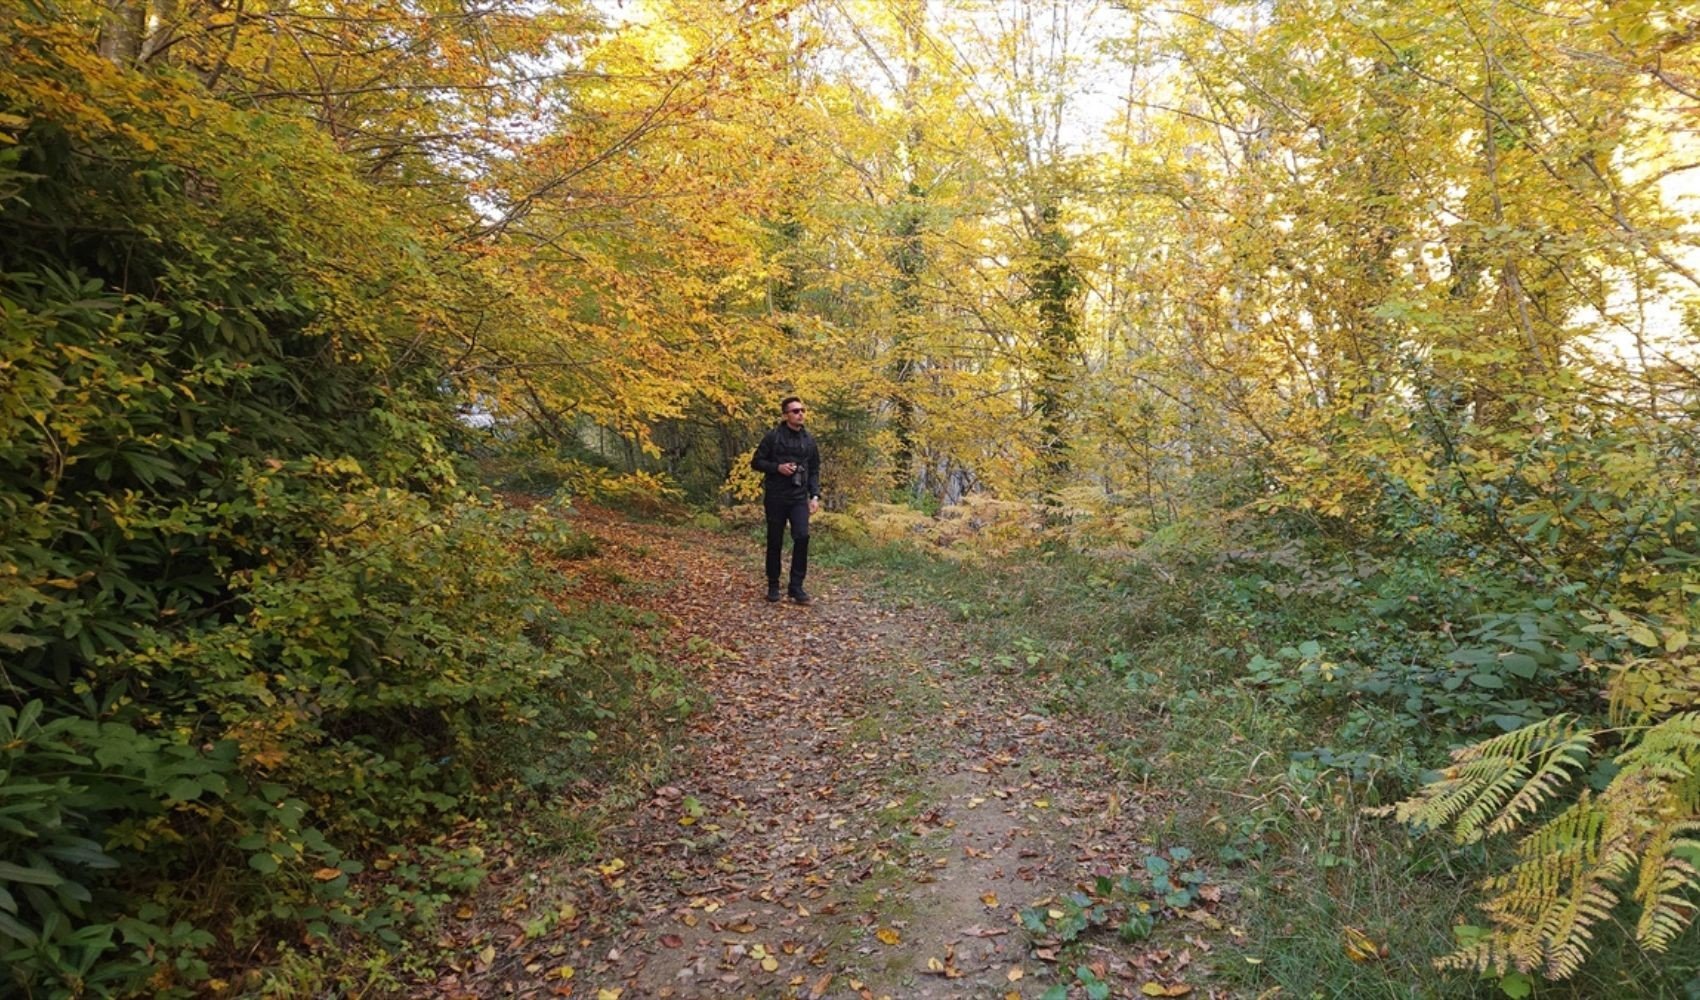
1284,687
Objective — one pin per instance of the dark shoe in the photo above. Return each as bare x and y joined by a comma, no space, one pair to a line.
801,596
773,593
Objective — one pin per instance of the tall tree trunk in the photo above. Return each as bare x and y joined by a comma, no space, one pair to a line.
1055,286
124,24
909,256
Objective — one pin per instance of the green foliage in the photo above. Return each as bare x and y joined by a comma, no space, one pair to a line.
1631,842
1131,904
254,631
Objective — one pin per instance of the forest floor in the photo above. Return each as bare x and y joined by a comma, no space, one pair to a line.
859,808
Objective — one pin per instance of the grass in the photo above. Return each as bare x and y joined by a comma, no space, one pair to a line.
1152,655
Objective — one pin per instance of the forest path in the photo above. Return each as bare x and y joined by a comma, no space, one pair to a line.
858,811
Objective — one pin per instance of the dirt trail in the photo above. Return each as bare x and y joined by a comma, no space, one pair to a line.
859,813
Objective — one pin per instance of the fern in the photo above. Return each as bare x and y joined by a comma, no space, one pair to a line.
1636,842
1504,778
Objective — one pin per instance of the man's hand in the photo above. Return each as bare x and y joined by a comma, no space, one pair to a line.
787,468
814,505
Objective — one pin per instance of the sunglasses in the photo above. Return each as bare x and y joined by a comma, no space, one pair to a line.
795,409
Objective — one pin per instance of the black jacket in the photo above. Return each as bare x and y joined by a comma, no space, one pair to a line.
780,445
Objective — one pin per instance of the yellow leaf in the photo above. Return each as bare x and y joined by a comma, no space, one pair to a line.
613,867
990,899
888,935
770,964
606,994
487,954
328,874
564,972
1014,974
934,965
1360,947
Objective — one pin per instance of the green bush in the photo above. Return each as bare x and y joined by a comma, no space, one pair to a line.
253,628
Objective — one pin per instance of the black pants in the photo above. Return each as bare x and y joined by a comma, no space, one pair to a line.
779,513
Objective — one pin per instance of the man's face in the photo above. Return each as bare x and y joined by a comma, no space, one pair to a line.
794,415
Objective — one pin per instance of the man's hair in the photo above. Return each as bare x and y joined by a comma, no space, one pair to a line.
785,403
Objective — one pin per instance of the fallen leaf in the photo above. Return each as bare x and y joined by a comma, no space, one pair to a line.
671,941
1361,948
888,935
564,972
328,874
770,964
990,899
1014,974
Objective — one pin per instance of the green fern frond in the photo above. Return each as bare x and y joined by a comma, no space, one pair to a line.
1546,907
1636,842
1561,763
1668,885
1483,776
1485,955
1670,749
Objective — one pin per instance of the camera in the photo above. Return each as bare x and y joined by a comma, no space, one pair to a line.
799,474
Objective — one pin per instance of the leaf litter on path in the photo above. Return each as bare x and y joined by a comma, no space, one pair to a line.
855,814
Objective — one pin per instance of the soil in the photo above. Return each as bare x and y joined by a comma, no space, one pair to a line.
860,810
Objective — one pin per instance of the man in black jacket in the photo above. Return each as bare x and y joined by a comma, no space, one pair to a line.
791,492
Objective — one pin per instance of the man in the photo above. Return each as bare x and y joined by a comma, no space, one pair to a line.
790,493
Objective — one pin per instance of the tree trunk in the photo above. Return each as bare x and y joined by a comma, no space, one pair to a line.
123,25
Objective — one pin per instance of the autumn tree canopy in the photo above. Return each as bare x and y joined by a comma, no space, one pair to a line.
1420,277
